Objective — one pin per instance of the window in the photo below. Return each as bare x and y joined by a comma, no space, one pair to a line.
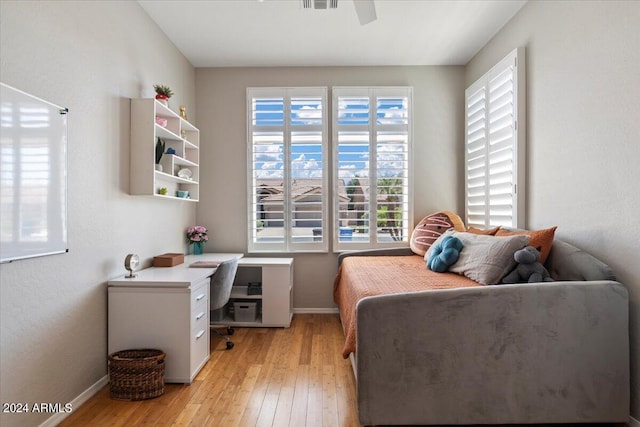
371,167
494,146
287,164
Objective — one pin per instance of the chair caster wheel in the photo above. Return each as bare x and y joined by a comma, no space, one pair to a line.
229,345
230,331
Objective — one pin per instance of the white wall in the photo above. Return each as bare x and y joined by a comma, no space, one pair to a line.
583,107
221,110
90,57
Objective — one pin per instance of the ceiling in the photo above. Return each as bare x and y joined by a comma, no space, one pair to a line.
255,33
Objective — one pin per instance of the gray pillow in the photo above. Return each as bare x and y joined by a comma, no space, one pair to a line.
485,259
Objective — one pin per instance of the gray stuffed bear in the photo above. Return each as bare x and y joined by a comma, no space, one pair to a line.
528,268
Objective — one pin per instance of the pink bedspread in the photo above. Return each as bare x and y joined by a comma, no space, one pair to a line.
360,277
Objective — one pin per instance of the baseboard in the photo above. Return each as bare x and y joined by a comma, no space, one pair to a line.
315,310
633,422
77,402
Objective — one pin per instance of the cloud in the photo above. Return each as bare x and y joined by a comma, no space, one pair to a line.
267,153
393,115
347,172
308,112
303,168
270,165
267,157
307,115
351,170
270,170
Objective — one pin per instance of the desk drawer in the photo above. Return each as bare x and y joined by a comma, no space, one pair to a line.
199,303
199,295
199,318
199,346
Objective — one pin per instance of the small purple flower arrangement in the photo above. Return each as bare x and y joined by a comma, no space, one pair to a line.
197,235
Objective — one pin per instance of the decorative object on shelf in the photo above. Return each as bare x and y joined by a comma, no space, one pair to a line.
183,134
185,173
161,121
163,191
182,194
131,261
159,150
183,112
197,235
163,93
170,150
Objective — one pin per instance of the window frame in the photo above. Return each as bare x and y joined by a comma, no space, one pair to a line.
287,245
373,93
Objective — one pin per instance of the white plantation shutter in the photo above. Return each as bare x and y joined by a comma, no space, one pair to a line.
372,167
494,146
287,164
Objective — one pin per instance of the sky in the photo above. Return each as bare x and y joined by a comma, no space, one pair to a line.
306,145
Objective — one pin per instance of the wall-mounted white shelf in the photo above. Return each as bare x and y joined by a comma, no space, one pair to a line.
178,134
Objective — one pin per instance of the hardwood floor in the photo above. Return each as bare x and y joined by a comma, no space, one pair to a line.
272,377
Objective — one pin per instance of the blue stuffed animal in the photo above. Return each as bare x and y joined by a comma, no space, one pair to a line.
528,268
444,253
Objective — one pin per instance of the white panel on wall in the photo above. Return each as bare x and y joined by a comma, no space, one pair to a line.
33,179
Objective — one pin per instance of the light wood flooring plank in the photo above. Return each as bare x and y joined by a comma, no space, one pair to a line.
314,401
300,397
274,377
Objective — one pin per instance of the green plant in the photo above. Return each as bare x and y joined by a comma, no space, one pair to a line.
159,150
391,213
163,90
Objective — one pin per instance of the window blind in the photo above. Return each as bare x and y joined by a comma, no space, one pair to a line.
372,167
494,146
287,169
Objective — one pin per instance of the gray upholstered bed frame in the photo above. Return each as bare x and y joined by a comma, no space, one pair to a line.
554,352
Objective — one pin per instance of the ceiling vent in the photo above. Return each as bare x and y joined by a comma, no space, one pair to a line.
365,9
319,4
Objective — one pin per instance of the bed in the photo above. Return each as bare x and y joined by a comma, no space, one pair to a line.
436,348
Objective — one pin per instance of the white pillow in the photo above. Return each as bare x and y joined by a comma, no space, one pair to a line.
485,259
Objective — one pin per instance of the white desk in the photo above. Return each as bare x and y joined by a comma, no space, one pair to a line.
276,302
165,308
174,277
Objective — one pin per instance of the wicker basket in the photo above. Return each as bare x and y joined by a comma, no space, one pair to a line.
136,374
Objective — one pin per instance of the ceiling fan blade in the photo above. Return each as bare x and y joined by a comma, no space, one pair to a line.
366,10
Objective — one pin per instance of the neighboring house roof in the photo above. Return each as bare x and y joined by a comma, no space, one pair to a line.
300,188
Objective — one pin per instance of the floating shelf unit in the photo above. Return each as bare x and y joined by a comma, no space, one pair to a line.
178,134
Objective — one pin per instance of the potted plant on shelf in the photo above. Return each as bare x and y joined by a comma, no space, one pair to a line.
159,151
163,93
